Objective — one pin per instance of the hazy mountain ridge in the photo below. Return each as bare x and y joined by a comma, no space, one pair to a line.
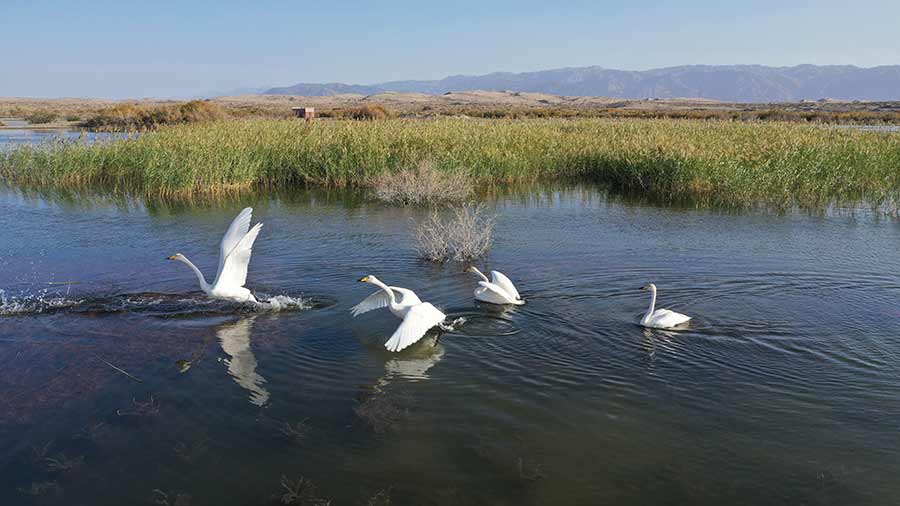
732,83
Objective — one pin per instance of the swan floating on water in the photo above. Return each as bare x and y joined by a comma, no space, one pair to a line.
234,257
497,290
660,318
418,317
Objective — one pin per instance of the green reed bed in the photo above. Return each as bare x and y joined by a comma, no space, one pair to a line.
707,163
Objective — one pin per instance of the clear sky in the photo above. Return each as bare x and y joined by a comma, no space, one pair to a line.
164,48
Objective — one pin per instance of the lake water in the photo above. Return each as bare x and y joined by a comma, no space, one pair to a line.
13,137
784,390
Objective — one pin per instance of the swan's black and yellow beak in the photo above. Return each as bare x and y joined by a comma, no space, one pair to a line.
468,269
173,257
364,279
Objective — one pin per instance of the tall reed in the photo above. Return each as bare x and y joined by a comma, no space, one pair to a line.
719,163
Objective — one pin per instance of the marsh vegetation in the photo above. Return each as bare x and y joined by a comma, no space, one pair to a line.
425,183
702,163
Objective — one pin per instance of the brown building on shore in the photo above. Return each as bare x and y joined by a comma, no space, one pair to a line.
306,113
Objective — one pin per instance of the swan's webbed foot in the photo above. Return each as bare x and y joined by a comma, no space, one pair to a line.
452,325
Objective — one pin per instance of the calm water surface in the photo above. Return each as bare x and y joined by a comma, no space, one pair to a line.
13,137
785,390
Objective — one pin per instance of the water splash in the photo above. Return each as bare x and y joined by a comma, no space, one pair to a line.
42,302
149,303
284,303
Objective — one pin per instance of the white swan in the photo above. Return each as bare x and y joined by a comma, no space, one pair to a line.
234,257
660,318
418,317
497,290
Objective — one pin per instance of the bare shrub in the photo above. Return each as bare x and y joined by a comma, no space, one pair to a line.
43,117
366,112
138,116
463,234
425,183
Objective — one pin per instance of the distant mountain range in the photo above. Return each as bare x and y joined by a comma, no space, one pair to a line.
731,83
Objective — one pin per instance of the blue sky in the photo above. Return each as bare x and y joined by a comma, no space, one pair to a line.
163,48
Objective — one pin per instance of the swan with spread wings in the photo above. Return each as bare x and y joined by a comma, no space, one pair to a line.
418,317
234,258
497,290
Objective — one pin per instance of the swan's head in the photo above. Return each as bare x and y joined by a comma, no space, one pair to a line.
176,256
649,286
368,279
470,269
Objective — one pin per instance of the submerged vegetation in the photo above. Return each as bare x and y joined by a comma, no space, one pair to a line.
704,163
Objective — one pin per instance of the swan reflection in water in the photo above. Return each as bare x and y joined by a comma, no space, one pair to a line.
414,364
235,341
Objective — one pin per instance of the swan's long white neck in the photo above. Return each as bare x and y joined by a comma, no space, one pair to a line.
203,284
377,282
652,301
476,271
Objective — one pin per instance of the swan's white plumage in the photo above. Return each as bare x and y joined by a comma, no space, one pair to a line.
418,317
489,292
236,231
234,267
497,290
503,282
418,320
234,259
380,299
660,318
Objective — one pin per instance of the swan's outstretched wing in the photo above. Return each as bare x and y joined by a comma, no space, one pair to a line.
503,282
236,231
380,299
234,270
417,322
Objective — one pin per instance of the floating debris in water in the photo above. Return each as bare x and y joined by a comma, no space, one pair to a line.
141,408
189,452
381,498
529,470
382,410
92,432
296,433
301,492
61,463
161,498
39,453
41,489
119,369
183,365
